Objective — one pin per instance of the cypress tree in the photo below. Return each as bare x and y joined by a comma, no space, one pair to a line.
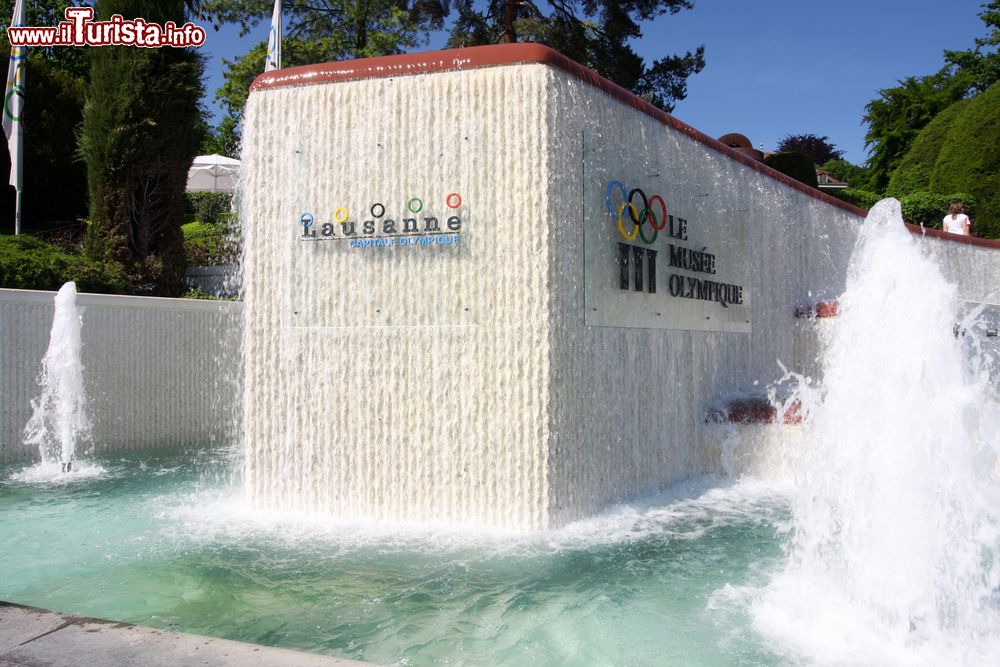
141,130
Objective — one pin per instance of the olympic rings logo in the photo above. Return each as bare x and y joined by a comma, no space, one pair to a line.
640,210
414,205
15,87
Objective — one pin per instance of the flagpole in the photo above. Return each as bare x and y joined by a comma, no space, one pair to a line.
273,58
13,106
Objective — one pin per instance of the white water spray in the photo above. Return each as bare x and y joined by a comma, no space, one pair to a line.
895,549
59,420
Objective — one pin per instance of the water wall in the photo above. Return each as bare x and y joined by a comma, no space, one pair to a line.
157,372
452,314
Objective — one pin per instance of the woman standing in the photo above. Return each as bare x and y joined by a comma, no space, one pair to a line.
956,222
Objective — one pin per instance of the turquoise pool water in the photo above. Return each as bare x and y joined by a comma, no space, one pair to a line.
162,539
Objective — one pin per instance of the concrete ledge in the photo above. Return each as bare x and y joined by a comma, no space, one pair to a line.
32,637
142,303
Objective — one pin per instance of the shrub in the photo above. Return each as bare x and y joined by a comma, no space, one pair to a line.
207,244
796,165
928,209
914,171
970,162
210,207
29,263
860,198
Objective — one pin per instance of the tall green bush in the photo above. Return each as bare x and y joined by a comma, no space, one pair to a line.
970,161
914,171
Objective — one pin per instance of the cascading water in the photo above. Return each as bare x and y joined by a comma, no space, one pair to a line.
894,552
59,419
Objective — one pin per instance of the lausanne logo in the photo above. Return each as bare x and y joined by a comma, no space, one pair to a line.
413,227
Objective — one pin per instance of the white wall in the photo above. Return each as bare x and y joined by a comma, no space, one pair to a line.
466,383
402,383
157,372
628,405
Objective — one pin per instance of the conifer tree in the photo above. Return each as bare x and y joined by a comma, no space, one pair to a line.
141,130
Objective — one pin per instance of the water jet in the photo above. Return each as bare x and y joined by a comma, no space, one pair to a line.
59,416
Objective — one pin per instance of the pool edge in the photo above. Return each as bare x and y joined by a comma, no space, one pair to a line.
31,636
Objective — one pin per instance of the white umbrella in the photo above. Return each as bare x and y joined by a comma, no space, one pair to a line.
213,173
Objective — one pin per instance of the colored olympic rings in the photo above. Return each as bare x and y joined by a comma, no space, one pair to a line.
378,210
663,207
640,211
632,213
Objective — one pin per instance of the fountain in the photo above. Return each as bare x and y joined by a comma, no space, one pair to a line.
895,540
59,417
479,390
501,290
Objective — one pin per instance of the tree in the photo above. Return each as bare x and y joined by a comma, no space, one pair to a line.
55,178
593,32
56,87
795,165
896,119
141,130
979,68
72,60
318,31
819,149
898,115
846,172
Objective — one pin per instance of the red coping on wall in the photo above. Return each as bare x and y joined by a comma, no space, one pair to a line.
476,57
820,309
754,411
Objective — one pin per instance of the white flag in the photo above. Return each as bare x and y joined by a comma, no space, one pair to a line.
13,100
274,40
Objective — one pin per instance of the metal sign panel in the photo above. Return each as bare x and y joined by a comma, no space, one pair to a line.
375,240
662,249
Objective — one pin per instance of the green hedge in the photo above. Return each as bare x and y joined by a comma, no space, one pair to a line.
860,198
29,263
928,208
970,162
796,165
914,171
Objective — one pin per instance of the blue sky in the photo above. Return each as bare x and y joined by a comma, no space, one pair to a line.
773,67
